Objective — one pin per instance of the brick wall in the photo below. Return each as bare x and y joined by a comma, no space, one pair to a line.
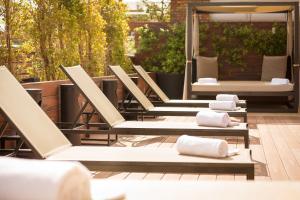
178,10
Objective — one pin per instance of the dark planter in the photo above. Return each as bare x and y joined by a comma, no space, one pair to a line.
171,84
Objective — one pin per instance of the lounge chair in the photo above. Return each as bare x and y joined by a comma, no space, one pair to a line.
48,142
150,109
165,101
118,125
195,190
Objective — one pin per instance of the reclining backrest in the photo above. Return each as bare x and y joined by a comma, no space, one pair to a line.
151,83
132,87
35,127
93,94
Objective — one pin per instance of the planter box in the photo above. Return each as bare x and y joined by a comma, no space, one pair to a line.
171,84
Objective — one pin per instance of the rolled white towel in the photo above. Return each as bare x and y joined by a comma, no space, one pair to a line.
227,97
215,119
280,81
40,179
223,105
208,147
207,80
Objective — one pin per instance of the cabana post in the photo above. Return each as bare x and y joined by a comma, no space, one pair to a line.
289,7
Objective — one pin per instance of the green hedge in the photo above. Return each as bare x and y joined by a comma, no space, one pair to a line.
232,42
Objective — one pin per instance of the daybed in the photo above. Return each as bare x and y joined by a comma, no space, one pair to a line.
290,92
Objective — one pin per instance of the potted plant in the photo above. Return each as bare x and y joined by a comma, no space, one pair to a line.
163,52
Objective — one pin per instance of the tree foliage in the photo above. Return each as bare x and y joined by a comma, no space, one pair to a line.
69,32
158,10
13,12
165,49
236,41
116,29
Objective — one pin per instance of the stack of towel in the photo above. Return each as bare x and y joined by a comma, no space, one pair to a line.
227,97
280,81
207,80
214,119
40,179
197,146
223,105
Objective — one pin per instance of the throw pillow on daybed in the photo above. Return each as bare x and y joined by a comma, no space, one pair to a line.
273,67
207,67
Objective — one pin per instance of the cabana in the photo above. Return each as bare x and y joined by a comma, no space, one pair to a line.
244,88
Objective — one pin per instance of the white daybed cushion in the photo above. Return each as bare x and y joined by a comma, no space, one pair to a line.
242,86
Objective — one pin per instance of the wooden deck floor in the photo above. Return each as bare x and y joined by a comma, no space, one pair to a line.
274,140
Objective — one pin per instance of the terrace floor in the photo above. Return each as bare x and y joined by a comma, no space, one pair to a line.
274,141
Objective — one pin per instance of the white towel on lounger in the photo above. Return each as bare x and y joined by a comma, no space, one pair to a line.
208,147
41,179
223,105
227,97
214,119
280,81
207,80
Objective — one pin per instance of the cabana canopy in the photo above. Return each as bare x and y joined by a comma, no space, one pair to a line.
288,7
242,9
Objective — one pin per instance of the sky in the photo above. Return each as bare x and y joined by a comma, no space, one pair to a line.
133,1
134,4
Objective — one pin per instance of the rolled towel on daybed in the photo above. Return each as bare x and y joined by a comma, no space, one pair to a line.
40,179
214,119
280,81
227,97
223,105
208,147
207,80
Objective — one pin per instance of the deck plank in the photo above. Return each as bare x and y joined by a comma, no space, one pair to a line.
118,176
206,177
171,177
274,163
136,176
156,176
189,177
153,176
258,155
281,140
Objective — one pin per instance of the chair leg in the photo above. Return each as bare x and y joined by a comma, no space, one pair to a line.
18,147
245,118
250,173
246,140
2,130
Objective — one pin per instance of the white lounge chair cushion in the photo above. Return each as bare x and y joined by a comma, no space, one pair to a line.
242,86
